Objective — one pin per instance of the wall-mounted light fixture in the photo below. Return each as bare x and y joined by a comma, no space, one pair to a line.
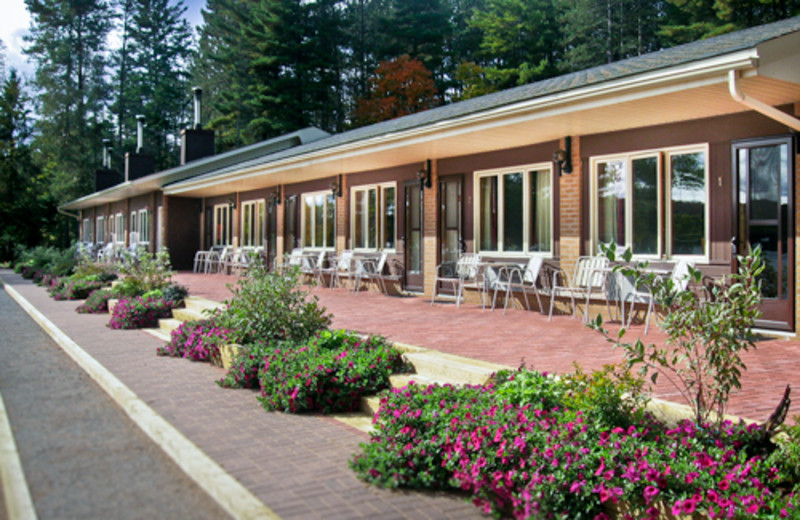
232,202
563,157
424,175
336,186
275,196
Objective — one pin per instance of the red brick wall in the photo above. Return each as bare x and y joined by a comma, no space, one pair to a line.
571,208
431,229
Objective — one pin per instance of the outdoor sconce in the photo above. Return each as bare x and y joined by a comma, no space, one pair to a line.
275,196
232,203
336,186
424,175
563,157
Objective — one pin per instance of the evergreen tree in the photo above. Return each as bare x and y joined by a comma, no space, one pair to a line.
157,79
27,210
68,44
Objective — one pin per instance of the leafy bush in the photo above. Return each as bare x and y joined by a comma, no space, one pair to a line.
174,292
97,302
198,341
248,363
267,306
138,313
702,356
327,376
145,272
86,267
71,288
41,260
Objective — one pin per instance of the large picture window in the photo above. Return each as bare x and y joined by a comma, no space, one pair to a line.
88,228
373,216
253,217
514,210
653,203
118,228
222,225
318,220
101,230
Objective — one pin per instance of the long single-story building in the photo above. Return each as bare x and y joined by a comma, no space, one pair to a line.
686,153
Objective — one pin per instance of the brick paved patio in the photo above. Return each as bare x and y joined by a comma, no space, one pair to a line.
522,335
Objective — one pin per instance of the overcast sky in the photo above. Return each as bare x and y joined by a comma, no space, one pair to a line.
15,21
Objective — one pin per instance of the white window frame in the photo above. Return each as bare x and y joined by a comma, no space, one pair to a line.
380,224
326,194
101,229
144,226
258,238
119,225
525,170
133,223
664,180
225,239
88,228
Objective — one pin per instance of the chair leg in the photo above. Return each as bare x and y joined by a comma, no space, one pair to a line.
552,301
494,298
435,285
650,306
505,306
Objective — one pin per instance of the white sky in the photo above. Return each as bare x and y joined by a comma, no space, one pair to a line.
15,21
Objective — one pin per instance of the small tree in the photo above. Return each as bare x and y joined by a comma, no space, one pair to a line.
705,339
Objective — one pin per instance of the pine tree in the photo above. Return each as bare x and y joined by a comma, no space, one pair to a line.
68,44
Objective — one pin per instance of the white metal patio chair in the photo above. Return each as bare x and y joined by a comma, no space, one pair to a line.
680,282
589,279
467,272
522,278
374,271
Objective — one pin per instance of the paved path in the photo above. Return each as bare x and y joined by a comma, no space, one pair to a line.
529,336
296,464
82,456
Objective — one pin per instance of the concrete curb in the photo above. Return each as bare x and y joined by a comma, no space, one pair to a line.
237,500
19,504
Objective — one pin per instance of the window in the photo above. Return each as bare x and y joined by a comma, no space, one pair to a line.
101,230
633,195
318,219
119,227
290,223
222,225
144,226
253,213
133,221
515,210
374,216
88,235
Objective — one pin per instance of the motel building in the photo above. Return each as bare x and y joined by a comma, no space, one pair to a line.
690,153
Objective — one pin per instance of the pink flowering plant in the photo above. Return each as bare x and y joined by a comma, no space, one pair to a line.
244,371
97,302
197,341
328,374
71,288
139,312
532,461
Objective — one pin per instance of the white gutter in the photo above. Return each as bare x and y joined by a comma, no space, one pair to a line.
759,106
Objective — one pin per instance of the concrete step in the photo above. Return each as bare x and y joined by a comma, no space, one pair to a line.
167,325
369,405
160,334
188,315
200,304
448,368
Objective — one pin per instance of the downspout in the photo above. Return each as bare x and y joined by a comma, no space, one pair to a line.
759,106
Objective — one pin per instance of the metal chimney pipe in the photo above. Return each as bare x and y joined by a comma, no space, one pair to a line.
106,146
139,133
198,94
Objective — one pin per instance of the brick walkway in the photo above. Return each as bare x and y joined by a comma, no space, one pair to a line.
550,346
296,464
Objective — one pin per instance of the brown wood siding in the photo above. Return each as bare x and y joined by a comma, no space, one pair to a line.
719,133
468,164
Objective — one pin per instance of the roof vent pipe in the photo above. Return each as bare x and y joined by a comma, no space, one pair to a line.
198,94
139,133
759,106
107,153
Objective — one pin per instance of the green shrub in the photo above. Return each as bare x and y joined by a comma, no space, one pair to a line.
97,302
266,306
702,355
71,288
326,378
39,261
145,273
245,369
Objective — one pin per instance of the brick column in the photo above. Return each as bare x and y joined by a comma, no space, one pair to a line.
571,208
431,230
342,208
796,230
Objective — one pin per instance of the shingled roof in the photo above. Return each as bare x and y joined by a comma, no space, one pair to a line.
663,59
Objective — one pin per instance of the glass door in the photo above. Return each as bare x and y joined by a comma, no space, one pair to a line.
412,248
451,239
764,216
